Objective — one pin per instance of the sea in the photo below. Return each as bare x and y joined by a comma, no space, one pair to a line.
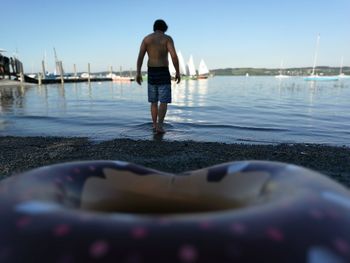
252,110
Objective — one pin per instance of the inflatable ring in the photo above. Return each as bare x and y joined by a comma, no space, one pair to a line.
113,211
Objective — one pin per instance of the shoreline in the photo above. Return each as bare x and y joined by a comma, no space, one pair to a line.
8,83
19,154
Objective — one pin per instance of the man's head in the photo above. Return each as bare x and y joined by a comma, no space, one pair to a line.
160,25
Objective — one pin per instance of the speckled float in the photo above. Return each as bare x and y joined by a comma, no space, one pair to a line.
112,211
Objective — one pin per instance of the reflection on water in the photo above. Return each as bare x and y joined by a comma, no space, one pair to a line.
227,109
11,98
191,93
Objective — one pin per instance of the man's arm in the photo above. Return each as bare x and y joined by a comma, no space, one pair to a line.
172,51
142,53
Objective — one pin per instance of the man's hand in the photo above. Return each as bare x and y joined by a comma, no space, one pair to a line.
177,78
139,79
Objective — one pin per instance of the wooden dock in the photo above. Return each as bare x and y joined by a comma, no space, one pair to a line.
45,81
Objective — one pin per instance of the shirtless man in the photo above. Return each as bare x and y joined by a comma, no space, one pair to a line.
157,45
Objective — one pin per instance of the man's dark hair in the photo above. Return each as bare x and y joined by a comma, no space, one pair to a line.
160,25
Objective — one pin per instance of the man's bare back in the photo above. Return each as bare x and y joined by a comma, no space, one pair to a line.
157,45
157,49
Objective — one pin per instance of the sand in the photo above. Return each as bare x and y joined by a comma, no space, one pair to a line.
18,154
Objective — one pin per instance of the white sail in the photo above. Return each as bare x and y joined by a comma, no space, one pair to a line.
203,69
182,64
171,66
191,67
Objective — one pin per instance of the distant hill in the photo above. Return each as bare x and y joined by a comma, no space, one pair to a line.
271,72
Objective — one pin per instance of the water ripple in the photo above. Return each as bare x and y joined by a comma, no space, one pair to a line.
225,109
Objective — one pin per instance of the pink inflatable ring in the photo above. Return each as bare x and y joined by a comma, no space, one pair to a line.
113,211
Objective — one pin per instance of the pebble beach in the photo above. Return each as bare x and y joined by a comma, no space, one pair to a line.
19,154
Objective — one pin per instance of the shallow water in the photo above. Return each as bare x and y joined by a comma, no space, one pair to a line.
221,109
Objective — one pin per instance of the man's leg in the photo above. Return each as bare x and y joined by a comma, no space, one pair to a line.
153,99
162,112
165,98
154,113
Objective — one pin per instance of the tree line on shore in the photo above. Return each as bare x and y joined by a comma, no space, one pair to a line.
304,71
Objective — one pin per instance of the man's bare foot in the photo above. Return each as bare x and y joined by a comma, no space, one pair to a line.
160,129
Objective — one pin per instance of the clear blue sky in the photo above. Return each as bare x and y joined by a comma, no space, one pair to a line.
225,33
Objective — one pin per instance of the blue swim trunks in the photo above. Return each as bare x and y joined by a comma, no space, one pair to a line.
159,84
160,93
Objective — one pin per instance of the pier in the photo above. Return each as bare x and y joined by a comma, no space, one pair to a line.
10,67
44,81
11,73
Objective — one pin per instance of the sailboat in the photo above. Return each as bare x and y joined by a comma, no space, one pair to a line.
172,69
314,76
182,64
120,77
341,74
281,76
191,68
203,71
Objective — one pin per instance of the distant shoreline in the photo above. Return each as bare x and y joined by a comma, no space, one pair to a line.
294,71
18,154
242,71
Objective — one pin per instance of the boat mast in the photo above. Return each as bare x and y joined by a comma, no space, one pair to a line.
315,57
56,62
281,68
341,65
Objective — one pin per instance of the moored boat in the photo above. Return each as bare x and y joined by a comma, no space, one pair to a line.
117,78
281,75
343,76
321,78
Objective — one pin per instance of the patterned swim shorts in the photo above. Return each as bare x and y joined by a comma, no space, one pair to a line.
160,93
